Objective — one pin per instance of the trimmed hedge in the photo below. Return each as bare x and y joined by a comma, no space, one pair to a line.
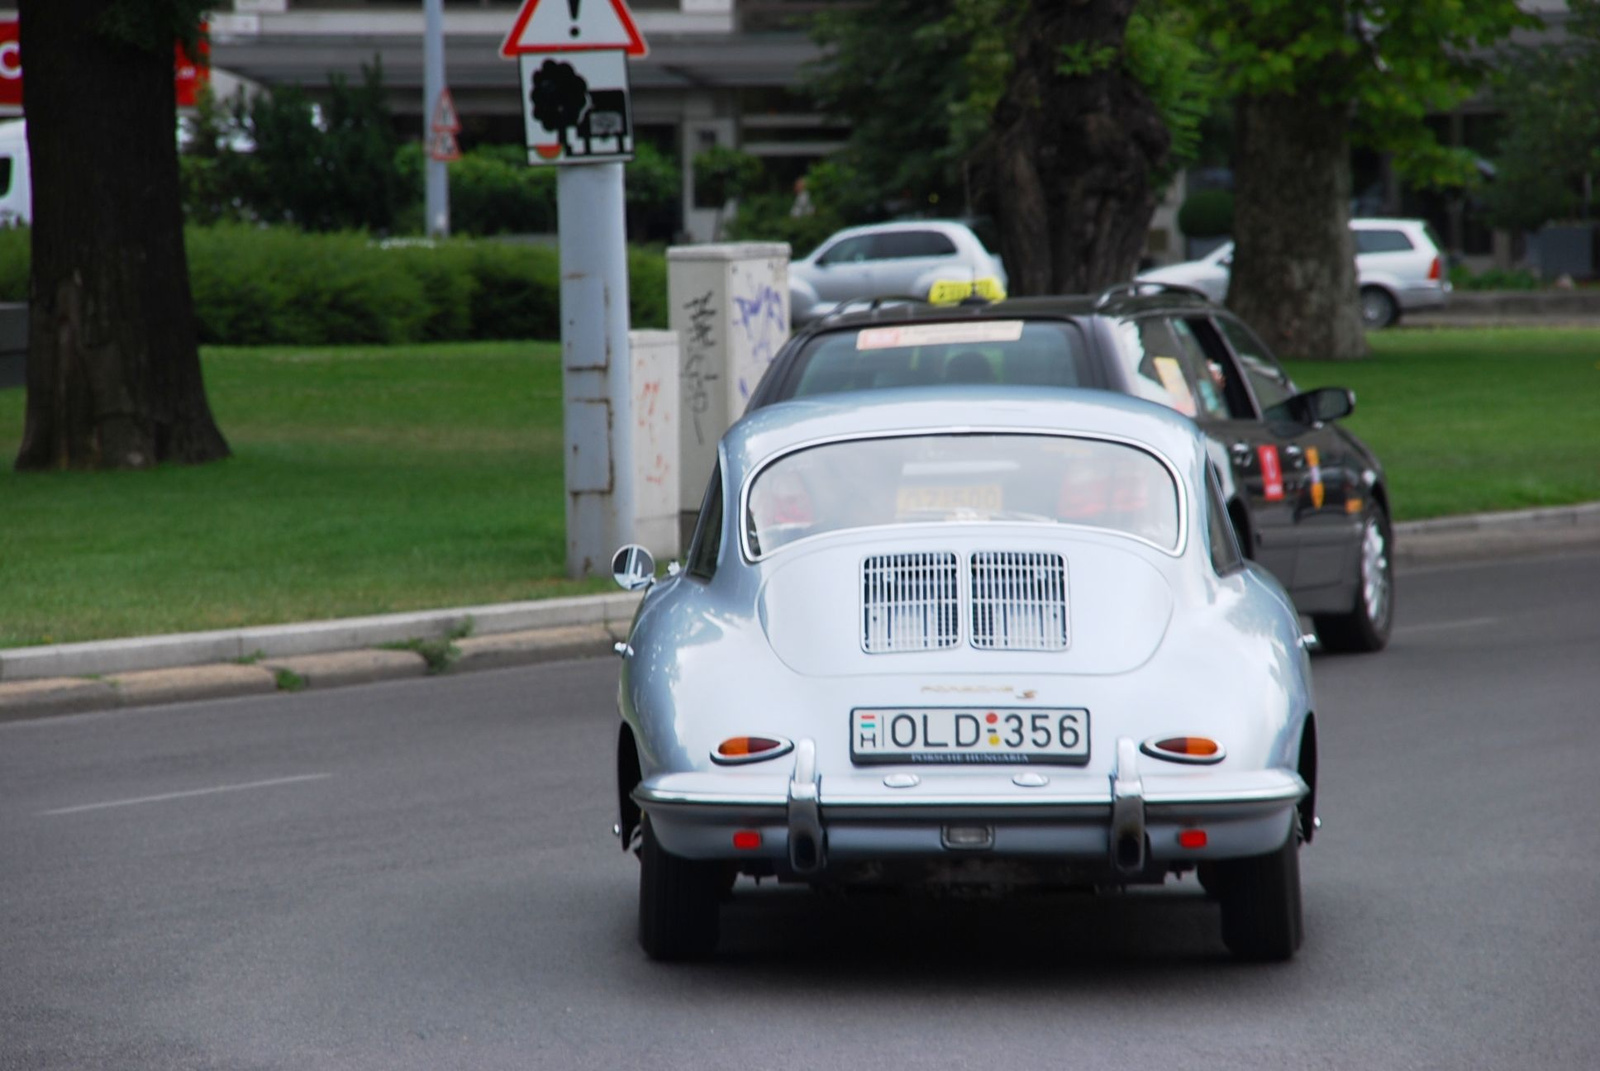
259,286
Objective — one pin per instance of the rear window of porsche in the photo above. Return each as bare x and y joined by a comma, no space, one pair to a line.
962,479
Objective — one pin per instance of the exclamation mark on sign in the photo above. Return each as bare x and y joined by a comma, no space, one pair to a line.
572,6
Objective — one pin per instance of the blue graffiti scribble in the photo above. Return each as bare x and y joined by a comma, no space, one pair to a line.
765,325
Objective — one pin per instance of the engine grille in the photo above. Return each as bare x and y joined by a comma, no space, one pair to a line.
909,602
1019,601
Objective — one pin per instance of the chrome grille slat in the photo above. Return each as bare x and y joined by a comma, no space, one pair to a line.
909,602
1019,601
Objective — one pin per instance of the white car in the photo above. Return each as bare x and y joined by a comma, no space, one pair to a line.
931,260
1398,265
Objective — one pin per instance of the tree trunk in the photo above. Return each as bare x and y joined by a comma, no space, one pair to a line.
113,364
1294,276
1072,155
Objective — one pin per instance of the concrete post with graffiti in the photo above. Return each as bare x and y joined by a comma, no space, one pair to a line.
655,441
729,305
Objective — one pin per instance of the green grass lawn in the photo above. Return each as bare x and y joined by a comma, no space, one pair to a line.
1472,419
363,481
372,480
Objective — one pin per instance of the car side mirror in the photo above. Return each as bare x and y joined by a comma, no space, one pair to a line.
1321,405
633,568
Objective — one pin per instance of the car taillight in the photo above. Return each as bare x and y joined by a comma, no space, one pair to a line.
1196,749
742,749
1436,270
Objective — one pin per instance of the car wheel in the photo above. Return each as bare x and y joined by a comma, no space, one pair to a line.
1366,626
1261,917
679,902
1378,308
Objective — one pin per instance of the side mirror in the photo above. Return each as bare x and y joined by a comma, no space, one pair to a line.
1321,405
633,568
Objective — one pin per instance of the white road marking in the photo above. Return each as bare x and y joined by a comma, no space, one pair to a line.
184,795
1441,626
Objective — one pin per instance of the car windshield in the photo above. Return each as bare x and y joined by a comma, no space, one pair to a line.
1015,352
958,479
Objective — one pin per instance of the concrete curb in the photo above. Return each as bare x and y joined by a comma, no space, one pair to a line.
38,682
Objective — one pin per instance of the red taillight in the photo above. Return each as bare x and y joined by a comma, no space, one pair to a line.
1195,749
747,839
1194,746
738,749
1192,838
1436,271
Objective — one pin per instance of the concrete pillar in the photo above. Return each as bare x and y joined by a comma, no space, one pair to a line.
654,372
729,305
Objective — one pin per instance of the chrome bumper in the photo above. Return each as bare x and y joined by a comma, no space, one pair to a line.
1130,820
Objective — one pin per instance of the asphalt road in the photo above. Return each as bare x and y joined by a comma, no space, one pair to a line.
419,874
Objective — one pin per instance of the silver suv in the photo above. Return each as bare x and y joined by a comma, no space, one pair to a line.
1398,264
932,260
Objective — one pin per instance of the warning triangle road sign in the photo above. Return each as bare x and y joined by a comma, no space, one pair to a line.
442,146
573,26
444,113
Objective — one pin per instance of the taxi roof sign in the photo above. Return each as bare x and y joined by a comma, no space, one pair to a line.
573,26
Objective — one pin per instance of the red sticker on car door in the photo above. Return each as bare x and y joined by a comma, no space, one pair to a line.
1271,473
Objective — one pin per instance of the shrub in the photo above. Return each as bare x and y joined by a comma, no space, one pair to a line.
1494,279
275,285
1207,214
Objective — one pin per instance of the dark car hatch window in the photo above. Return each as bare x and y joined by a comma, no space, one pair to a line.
898,245
1044,353
1382,242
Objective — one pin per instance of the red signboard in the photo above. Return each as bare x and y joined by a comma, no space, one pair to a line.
1271,473
188,74
10,64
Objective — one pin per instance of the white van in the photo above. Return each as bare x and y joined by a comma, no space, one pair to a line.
16,189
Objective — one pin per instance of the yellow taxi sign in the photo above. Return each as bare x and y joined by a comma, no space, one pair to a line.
952,291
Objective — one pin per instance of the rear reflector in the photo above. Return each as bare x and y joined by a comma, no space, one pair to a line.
747,839
738,749
1192,838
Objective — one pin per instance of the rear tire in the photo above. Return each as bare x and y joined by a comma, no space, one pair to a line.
1366,626
1261,913
1378,307
679,902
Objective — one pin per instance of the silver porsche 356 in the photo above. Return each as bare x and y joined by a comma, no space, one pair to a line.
992,636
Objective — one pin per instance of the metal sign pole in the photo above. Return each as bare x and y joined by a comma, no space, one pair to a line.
594,358
437,200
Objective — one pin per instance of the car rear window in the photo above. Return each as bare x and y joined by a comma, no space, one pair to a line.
961,479
1042,353
895,245
1382,242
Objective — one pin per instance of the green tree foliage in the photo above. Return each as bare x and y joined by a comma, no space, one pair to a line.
918,81
722,174
1310,80
1549,155
1388,65
280,158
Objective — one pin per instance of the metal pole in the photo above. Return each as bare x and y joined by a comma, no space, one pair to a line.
437,202
596,365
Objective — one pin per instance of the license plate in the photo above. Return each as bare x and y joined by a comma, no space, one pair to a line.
1057,735
948,498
